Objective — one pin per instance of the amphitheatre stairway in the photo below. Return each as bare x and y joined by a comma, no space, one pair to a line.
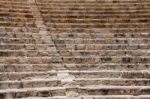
74,49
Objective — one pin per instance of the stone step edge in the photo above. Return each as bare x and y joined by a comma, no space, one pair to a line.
78,38
65,88
76,79
93,96
83,71
82,57
72,64
25,50
55,97
31,89
83,44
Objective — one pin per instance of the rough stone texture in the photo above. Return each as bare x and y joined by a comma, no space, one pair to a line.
74,49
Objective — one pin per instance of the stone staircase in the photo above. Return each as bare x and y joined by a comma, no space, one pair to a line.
74,49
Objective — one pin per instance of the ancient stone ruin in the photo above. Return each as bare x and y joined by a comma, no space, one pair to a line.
74,49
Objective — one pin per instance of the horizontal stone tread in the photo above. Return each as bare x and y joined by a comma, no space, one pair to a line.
83,82
55,97
95,97
32,89
80,88
47,67
77,74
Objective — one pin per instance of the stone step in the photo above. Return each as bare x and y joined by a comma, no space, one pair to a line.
6,8
110,74
28,53
75,47
125,2
9,13
17,24
21,41
97,53
114,90
106,59
72,19
85,24
56,11
27,76
25,15
90,10
76,40
48,67
29,60
76,82
100,35
35,67
67,1
85,53
95,16
92,3
6,11
115,97
75,5
130,30
102,41
95,97
15,35
21,25
18,19
21,29
32,92
56,97
76,35
15,2
94,6
30,84
79,67
33,47
80,28
109,25
60,91
24,9
88,30
76,59
13,5
30,35
87,47
74,74
105,66
110,81
93,40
